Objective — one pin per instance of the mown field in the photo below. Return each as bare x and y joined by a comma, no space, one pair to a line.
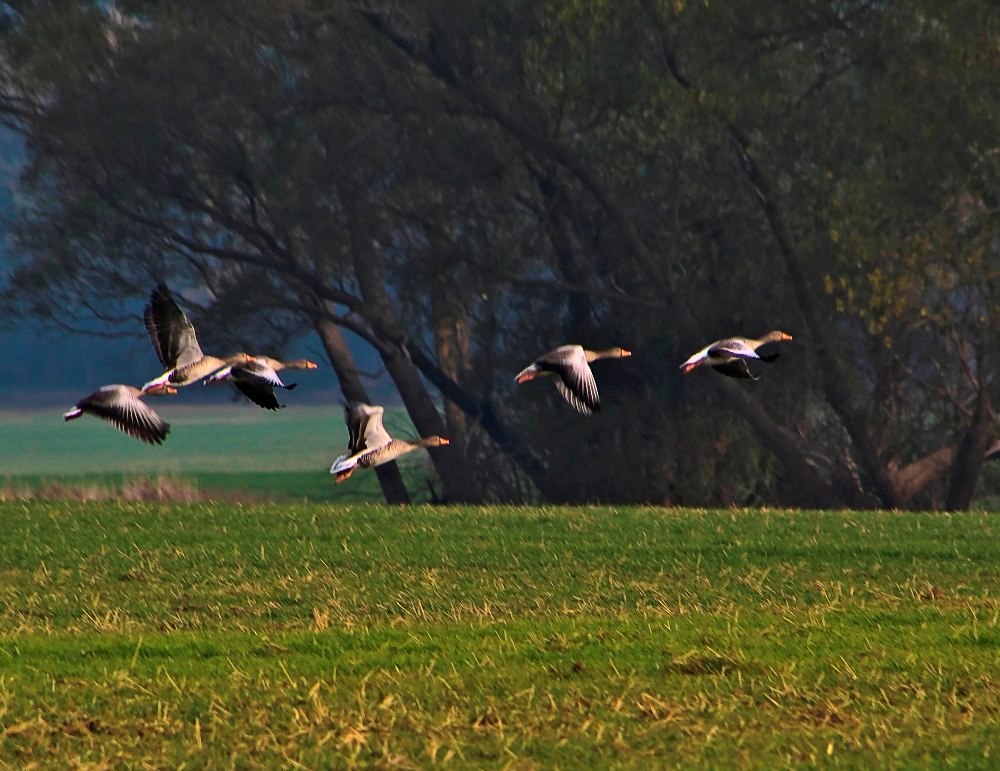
233,451
331,636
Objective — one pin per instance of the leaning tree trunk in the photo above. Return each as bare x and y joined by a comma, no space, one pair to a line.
450,328
451,346
971,451
369,271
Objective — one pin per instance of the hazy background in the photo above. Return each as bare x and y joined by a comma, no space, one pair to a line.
46,365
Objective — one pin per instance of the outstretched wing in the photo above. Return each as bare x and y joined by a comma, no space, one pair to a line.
576,402
127,413
171,333
258,370
736,368
364,427
575,381
259,393
257,382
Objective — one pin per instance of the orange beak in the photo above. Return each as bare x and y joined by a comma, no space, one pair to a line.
524,377
445,441
161,390
688,367
344,475
626,353
311,365
785,336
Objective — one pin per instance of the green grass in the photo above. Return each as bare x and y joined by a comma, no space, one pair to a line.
231,450
323,636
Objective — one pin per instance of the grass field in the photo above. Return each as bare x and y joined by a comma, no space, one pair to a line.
235,450
320,636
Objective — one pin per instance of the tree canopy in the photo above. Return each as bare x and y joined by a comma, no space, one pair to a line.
468,184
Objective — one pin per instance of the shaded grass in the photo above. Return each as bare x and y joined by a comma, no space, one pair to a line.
237,636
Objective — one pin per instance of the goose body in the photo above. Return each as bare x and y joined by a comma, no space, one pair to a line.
122,406
730,354
369,444
570,365
255,380
176,344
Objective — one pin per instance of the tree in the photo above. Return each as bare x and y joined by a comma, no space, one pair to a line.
467,184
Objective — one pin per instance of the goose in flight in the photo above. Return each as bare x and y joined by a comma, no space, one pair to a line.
570,364
369,443
731,354
122,406
255,380
176,344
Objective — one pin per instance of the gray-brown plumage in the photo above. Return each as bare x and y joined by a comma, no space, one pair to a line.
277,364
122,406
570,364
176,344
730,355
255,380
369,444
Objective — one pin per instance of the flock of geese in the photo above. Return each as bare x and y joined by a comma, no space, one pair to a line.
256,376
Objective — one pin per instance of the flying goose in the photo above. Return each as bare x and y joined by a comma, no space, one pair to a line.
369,444
730,355
176,344
255,380
574,380
122,406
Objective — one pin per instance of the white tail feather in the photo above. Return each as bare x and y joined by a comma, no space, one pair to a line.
222,374
157,381
343,463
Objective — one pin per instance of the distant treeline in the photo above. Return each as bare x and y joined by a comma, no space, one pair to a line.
462,186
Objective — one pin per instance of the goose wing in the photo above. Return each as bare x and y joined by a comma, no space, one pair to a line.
123,409
737,368
575,380
576,402
257,382
171,333
732,347
259,392
364,427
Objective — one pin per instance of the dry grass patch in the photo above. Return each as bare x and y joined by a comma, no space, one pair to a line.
213,635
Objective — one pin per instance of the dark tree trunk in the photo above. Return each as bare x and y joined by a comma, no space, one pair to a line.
449,323
578,303
969,458
369,269
811,488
